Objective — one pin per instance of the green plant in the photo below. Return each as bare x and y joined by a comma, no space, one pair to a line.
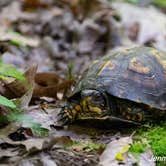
160,3
139,147
7,71
10,71
15,113
70,74
6,102
27,121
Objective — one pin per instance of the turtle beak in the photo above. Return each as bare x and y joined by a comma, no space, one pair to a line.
96,110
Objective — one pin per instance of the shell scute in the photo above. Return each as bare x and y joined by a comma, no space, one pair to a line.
138,74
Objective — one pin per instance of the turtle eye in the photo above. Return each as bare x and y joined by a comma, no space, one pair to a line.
97,96
98,99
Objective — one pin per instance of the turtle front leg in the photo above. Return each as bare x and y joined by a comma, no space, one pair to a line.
69,113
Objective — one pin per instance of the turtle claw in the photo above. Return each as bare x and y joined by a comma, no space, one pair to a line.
65,116
66,122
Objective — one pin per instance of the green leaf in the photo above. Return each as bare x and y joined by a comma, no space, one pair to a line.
11,71
70,71
18,39
6,102
28,122
119,155
38,130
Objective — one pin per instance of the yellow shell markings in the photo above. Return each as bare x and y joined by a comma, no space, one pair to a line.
107,65
160,57
157,54
128,50
137,66
93,63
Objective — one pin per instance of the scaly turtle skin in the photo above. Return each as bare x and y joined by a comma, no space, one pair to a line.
129,85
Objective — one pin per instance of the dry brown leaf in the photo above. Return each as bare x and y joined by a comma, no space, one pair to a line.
40,84
45,79
29,144
49,84
33,4
84,8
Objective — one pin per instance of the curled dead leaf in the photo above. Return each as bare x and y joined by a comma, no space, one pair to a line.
49,84
33,4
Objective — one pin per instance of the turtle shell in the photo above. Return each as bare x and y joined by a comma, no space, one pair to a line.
136,74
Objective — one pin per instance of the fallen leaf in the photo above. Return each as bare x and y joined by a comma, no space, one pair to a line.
8,150
119,155
41,117
47,160
46,79
29,144
10,128
116,152
84,8
18,39
33,4
15,88
6,102
133,19
10,71
49,84
30,76
12,13
146,158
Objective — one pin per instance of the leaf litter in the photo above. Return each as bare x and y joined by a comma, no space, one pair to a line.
54,35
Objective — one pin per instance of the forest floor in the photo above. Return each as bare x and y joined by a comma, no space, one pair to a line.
52,42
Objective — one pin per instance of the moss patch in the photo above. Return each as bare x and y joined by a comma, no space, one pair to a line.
160,3
154,138
138,147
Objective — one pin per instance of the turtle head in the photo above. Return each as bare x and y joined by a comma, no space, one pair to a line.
93,104
87,104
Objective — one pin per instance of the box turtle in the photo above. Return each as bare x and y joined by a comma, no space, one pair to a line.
127,85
